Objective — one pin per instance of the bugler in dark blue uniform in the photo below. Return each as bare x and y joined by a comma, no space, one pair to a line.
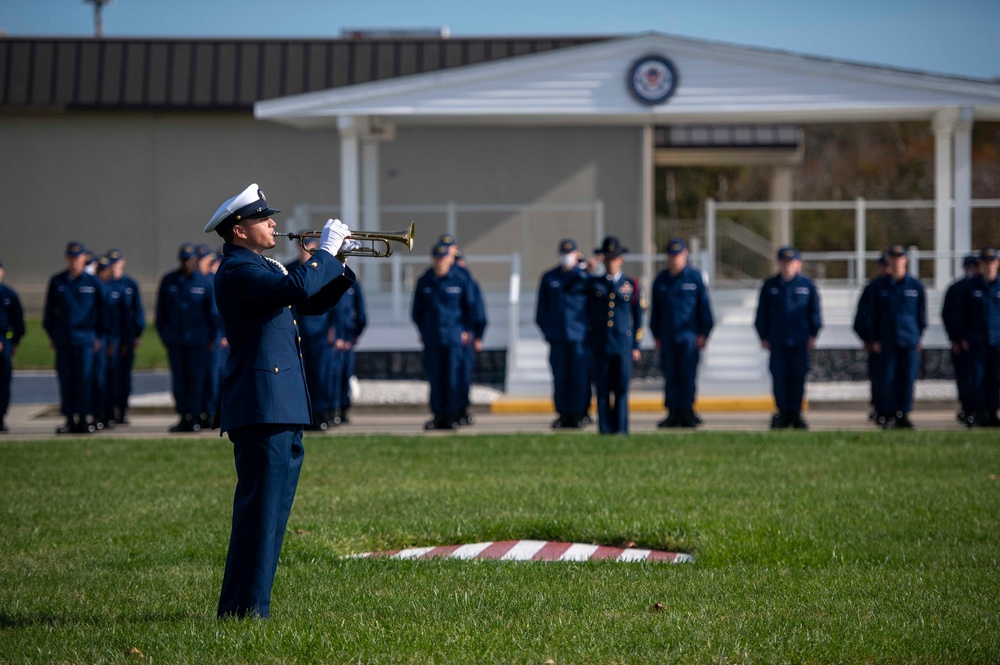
11,332
187,321
680,320
74,321
265,400
444,310
561,314
787,322
899,317
979,332
614,330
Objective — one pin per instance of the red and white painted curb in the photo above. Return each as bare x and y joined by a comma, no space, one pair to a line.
531,550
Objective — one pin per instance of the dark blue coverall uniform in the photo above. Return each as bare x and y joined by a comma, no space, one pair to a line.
788,314
979,329
131,332
680,312
187,320
444,308
863,329
317,353
11,332
561,314
74,321
348,321
614,330
899,317
952,316
106,364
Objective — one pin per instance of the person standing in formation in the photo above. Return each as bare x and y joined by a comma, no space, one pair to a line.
862,328
348,319
187,321
561,315
11,332
788,320
680,320
979,334
74,322
614,331
131,332
952,316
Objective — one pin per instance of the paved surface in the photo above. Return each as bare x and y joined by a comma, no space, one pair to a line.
37,421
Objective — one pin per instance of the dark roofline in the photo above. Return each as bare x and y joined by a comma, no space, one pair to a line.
200,74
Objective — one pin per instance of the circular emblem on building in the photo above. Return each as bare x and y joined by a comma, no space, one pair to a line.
652,79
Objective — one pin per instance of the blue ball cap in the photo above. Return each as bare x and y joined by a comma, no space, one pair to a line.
201,251
446,239
567,245
988,254
896,250
103,262
789,253
675,246
440,250
115,255
186,251
75,249
969,261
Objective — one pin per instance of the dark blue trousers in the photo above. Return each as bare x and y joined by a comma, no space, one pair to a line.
467,364
125,364
108,376
570,378
6,375
679,362
343,371
898,370
874,380
984,371
75,369
789,366
189,366
612,373
317,355
268,462
963,366
443,364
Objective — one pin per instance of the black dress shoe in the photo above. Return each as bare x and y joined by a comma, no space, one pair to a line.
465,418
343,417
65,429
668,422
688,419
797,421
780,420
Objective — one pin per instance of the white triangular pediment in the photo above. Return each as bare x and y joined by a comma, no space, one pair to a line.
589,85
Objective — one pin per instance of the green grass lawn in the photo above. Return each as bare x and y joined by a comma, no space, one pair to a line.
34,351
819,547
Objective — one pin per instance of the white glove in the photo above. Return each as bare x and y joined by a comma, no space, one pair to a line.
349,245
334,232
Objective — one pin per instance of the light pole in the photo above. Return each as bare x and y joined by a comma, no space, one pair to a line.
98,23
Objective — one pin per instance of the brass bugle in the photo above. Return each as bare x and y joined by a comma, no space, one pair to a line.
372,237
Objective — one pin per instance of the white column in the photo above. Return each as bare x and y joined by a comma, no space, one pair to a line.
370,213
944,128
781,219
963,187
647,208
350,178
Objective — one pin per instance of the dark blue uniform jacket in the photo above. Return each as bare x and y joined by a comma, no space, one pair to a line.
899,312
680,308
614,315
11,317
265,378
788,313
980,317
74,310
444,307
185,310
561,312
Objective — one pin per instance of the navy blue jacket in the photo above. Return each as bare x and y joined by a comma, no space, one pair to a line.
561,309
74,310
680,308
952,313
863,314
614,315
265,379
899,312
444,308
979,319
185,310
11,317
788,313
135,315
116,322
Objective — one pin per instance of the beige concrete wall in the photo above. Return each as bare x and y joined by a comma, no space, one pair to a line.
145,183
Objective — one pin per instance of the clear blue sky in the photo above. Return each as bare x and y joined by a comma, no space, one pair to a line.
960,37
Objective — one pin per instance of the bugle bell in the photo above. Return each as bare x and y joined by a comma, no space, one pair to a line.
362,237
